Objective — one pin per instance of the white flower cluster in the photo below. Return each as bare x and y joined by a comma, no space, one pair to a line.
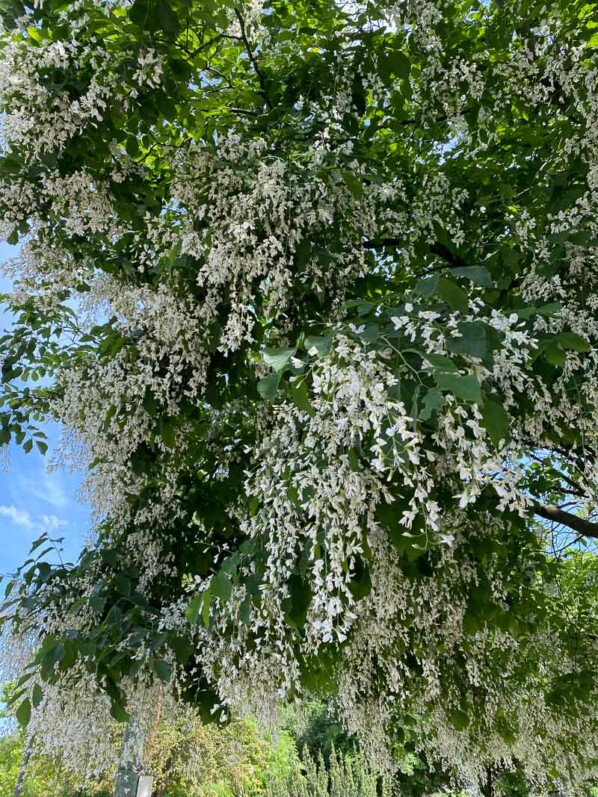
41,119
320,476
245,212
399,660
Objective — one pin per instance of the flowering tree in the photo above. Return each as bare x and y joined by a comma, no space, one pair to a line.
310,285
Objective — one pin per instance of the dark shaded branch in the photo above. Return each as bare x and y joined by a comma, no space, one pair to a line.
585,527
205,45
256,66
437,120
576,488
390,242
243,111
453,260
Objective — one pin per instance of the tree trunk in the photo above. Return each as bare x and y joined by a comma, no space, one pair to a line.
23,772
488,786
131,761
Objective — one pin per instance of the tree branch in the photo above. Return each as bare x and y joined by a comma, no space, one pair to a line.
454,261
256,66
242,111
576,489
585,527
390,242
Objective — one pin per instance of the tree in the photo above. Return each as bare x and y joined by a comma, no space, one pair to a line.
310,286
186,759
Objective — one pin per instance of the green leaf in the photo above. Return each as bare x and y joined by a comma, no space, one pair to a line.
573,341
122,584
432,401
277,359
411,543
506,730
118,712
393,63
547,310
354,460
35,34
399,64
354,184
555,356
268,386
23,713
428,286
495,420
300,396
471,623
162,669
168,18
41,447
192,611
318,346
50,658
453,295
463,387
150,405
459,719
167,434
37,695
440,363
297,604
473,340
478,274
205,612
221,586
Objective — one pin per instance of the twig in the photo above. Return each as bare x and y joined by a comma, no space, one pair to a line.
243,111
256,66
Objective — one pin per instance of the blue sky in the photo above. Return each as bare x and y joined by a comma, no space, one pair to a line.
34,500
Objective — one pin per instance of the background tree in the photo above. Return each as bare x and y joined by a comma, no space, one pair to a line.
311,287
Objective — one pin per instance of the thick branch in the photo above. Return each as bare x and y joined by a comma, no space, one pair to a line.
256,66
585,527
454,261
390,242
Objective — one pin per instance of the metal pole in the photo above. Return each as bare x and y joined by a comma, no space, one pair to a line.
131,760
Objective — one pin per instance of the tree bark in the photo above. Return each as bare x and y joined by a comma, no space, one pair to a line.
131,761
585,527
22,772
488,786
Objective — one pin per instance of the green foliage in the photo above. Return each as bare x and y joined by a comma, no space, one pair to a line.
190,759
343,776
43,777
313,758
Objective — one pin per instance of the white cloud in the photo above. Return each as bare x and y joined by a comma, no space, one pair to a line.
47,487
23,518
19,517
51,522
